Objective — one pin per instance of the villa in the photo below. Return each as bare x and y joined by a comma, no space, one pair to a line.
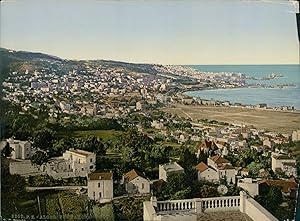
136,183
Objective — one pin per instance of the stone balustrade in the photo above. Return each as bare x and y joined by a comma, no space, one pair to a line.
188,210
231,202
199,204
176,205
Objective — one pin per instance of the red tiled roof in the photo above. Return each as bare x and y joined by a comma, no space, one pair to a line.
219,160
285,185
132,174
208,144
201,167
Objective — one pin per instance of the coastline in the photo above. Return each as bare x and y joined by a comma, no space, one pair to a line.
250,105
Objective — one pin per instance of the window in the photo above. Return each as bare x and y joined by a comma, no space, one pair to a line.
98,184
94,194
91,167
79,160
82,169
91,160
100,195
143,186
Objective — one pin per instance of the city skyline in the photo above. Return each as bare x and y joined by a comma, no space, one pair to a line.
164,32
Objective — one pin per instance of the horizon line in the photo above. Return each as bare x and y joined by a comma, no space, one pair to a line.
134,62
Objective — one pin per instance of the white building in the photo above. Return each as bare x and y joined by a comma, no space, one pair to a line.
223,167
65,106
166,169
284,163
73,163
250,185
296,135
139,105
81,160
100,186
136,183
206,173
20,149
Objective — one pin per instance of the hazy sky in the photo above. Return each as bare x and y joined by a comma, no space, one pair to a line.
153,31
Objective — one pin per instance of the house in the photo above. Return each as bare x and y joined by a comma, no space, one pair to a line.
223,167
282,162
169,168
81,160
206,173
268,143
288,187
135,182
20,149
73,163
100,186
207,146
296,135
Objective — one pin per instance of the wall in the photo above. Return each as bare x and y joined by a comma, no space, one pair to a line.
24,168
106,189
135,185
254,210
162,173
209,174
229,174
251,188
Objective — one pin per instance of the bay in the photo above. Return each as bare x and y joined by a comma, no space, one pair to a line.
274,97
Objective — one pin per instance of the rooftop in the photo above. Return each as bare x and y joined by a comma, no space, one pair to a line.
201,167
101,176
132,174
282,157
208,144
219,160
285,185
170,167
81,152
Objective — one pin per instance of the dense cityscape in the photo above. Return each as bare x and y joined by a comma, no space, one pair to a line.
102,140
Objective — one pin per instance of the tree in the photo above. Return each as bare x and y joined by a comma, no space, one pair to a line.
188,159
92,144
44,139
208,191
176,182
182,194
12,189
39,158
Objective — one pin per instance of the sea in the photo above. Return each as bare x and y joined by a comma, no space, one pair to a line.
273,97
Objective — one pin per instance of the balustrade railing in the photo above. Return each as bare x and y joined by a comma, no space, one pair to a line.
176,205
199,204
220,202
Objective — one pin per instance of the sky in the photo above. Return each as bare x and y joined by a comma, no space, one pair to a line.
154,31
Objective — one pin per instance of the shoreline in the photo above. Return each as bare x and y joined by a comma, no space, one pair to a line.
184,92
